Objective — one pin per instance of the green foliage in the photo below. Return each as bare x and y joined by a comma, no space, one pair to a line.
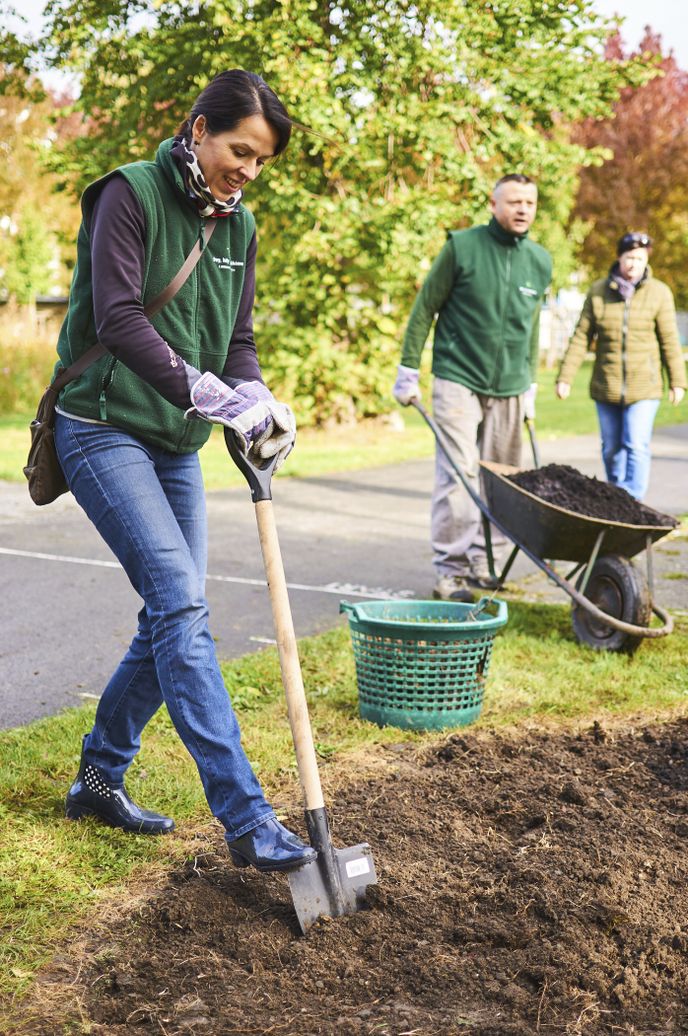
26,363
26,256
35,219
16,61
408,113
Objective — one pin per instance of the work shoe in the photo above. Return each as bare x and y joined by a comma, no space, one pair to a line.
270,847
480,576
453,588
92,796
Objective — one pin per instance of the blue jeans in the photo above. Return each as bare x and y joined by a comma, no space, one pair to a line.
149,507
626,434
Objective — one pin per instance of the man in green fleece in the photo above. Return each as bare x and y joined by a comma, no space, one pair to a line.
486,287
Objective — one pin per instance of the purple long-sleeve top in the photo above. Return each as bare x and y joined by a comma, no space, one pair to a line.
118,234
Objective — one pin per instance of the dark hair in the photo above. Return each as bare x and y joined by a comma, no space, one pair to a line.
235,95
635,239
513,178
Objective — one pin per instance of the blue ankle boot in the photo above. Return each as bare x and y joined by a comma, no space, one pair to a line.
91,796
270,847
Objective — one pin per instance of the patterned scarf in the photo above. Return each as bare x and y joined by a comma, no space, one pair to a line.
197,185
625,288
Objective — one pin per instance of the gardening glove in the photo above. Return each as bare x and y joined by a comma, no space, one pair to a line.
281,440
529,402
676,394
406,386
262,426
282,437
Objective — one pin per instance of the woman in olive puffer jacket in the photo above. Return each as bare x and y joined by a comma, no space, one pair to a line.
629,319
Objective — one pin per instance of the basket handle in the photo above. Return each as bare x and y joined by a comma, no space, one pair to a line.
475,611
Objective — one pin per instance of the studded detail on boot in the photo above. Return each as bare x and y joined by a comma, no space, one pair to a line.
92,796
95,783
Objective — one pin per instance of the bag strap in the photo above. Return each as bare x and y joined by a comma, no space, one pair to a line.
154,306
77,368
175,284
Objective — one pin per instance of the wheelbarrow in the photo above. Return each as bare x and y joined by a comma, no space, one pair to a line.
612,599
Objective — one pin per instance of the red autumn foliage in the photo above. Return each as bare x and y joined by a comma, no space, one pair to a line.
642,187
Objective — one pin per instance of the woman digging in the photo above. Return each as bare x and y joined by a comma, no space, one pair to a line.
129,429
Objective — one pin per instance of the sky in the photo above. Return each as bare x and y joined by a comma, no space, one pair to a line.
668,17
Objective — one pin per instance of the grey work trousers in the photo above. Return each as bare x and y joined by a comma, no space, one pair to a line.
476,428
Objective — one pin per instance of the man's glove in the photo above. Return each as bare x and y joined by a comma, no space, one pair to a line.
262,426
529,402
406,386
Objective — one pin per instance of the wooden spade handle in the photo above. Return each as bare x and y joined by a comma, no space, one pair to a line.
292,679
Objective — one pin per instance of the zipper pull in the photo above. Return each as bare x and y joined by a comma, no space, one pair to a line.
201,235
102,407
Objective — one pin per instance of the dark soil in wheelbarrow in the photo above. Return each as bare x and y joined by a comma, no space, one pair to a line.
566,487
528,884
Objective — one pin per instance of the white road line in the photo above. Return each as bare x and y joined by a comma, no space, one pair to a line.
347,589
59,557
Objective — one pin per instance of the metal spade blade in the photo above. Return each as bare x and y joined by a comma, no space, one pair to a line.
335,883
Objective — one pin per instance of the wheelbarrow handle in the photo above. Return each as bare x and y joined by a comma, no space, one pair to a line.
530,425
259,480
442,441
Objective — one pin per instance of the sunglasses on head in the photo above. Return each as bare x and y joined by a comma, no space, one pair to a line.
629,241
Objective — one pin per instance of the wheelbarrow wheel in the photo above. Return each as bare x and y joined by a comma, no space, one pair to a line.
619,589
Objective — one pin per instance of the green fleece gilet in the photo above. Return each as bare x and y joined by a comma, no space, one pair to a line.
486,286
197,323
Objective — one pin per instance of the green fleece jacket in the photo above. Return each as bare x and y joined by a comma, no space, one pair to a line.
199,319
632,340
486,286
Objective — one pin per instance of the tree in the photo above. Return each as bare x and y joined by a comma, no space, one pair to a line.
29,253
408,112
16,61
641,185
35,221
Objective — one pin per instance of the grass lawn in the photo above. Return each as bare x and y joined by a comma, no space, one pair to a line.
368,444
54,873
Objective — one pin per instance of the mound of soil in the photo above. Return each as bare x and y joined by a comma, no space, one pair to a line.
530,884
564,486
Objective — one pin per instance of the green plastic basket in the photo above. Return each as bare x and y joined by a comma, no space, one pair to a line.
422,665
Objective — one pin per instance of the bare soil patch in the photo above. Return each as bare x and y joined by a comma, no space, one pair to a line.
531,883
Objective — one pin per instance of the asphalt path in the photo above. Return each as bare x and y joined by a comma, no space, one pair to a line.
69,612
